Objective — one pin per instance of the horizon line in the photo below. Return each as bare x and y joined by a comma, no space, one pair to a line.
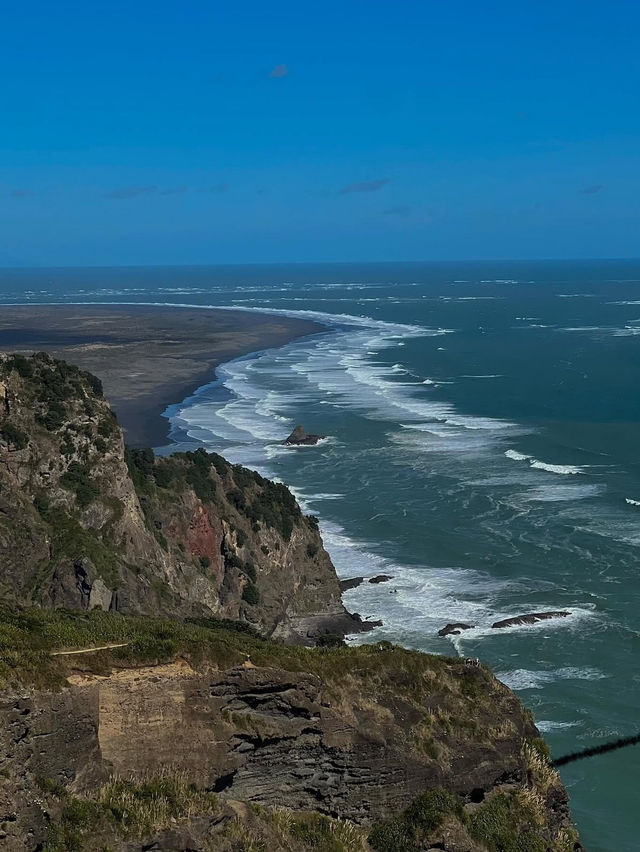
319,263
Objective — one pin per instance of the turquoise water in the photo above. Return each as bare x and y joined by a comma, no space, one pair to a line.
483,448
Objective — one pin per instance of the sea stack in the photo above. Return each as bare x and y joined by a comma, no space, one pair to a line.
300,437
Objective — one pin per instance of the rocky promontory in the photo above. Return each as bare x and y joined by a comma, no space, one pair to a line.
86,522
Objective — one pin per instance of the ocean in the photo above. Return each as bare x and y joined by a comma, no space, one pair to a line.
483,448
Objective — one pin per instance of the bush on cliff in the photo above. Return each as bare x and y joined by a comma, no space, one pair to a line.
426,813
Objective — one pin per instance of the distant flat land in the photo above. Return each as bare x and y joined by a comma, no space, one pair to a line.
147,357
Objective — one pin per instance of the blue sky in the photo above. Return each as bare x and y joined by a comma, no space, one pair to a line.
246,131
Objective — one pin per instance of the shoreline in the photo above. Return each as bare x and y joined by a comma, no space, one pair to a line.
149,357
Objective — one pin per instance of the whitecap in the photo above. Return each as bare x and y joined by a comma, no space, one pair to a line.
520,679
547,726
563,469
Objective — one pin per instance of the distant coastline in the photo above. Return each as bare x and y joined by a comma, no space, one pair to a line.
147,357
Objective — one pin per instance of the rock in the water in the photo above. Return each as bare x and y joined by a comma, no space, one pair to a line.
381,578
530,618
300,437
455,629
350,583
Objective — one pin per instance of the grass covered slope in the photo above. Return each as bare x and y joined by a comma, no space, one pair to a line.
86,523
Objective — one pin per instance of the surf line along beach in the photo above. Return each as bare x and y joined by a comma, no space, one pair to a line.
147,357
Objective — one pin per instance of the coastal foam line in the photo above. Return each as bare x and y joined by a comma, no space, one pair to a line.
247,421
255,403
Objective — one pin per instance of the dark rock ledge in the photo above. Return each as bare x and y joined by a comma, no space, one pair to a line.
301,438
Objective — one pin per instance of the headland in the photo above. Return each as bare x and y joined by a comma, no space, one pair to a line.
147,357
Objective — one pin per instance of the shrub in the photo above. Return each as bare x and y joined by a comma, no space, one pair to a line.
21,365
330,640
250,571
205,562
507,822
94,383
250,594
140,464
392,836
198,475
107,427
77,479
417,822
13,436
428,811
41,504
53,416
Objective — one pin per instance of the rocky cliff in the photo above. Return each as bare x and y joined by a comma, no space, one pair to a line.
142,706
85,523
172,729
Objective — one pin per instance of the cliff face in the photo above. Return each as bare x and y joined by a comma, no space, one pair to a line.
122,730
352,734
85,524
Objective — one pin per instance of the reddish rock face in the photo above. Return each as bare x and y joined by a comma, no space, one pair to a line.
203,539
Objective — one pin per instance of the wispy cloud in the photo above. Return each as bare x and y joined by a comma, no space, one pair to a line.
217,188
174,190
124,193
592,190
364,186
279,71
402,210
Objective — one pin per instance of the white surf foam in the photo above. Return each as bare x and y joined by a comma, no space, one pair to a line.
521,679
563,493
632,502
563,469
548,726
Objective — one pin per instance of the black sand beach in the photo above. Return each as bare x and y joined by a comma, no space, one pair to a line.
147,357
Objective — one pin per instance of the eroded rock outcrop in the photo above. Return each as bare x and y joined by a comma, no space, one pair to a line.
357,738
85,523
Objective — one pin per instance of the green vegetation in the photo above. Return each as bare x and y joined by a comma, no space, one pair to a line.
13,436
513,821
320,832
21,365
250,594
77,479
509,822
276,506
71,541
416,823
140,463
27,636
126,809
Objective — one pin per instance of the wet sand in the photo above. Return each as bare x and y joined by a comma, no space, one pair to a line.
147,357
